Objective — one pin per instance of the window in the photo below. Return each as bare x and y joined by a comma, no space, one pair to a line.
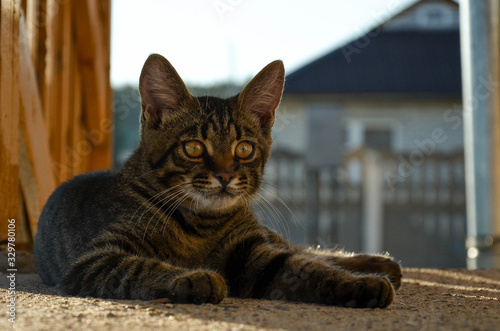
378,138
375,133
435,16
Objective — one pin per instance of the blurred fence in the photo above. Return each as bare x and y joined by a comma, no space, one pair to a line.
410,205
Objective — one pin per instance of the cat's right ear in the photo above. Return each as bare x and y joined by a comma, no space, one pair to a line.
162,91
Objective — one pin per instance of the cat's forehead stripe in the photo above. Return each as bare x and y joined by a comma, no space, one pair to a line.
204,131
238,132
192,131
221,121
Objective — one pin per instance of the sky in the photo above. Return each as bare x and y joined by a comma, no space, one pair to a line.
213,41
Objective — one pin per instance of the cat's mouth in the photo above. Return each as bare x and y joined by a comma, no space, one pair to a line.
222,194
218,200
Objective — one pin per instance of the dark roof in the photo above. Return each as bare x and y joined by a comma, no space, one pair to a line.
416,62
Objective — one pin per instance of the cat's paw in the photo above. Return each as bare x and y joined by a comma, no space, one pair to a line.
390,268
198,287
360,292
372,264
382,265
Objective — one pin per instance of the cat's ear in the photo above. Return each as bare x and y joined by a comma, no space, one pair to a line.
263,94
162,91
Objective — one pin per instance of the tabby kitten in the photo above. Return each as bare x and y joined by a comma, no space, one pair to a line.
176,222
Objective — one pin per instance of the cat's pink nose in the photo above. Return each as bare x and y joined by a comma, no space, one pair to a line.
224,177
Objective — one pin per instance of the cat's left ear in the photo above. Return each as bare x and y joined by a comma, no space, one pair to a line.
263,94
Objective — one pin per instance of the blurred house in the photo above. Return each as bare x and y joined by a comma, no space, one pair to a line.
368,142
392,87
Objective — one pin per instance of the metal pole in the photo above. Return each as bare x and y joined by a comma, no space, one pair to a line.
480,34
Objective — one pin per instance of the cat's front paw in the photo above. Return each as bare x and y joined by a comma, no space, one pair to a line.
198,287
382,265
360,292
371,264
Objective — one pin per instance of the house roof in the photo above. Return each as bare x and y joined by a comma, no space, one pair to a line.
418,62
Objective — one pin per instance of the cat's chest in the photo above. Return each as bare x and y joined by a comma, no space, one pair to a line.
188,251
189,241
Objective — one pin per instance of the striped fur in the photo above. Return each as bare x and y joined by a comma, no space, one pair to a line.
176,221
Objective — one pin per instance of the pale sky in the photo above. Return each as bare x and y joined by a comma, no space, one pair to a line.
210,41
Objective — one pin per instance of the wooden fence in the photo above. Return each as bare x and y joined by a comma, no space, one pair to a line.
55,97
413,207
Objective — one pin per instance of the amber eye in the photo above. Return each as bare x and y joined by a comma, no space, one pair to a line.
194,149
244,150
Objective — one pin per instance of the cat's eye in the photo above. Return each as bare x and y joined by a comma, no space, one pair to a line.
244,150
194,149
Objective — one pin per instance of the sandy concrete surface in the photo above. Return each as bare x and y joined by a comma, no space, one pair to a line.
428,300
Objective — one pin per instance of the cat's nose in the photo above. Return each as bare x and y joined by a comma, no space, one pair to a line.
224,177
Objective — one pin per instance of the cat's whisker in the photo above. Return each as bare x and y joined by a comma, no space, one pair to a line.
195,201
168,199
277,216
288,196
165,215
172,208
154,197
147,173
168,194
273,216
148,205
275,196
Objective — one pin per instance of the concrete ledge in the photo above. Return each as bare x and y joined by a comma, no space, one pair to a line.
428,300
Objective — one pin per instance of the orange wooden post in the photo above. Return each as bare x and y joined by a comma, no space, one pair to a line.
9,116
55,97
36,25
94,62
53,86
39,160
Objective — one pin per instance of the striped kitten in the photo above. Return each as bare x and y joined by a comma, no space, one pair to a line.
176,222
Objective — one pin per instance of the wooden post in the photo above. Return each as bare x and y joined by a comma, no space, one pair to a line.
65,75
37,34
373,202
55,102
9,116
94,64
312,204
40,181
